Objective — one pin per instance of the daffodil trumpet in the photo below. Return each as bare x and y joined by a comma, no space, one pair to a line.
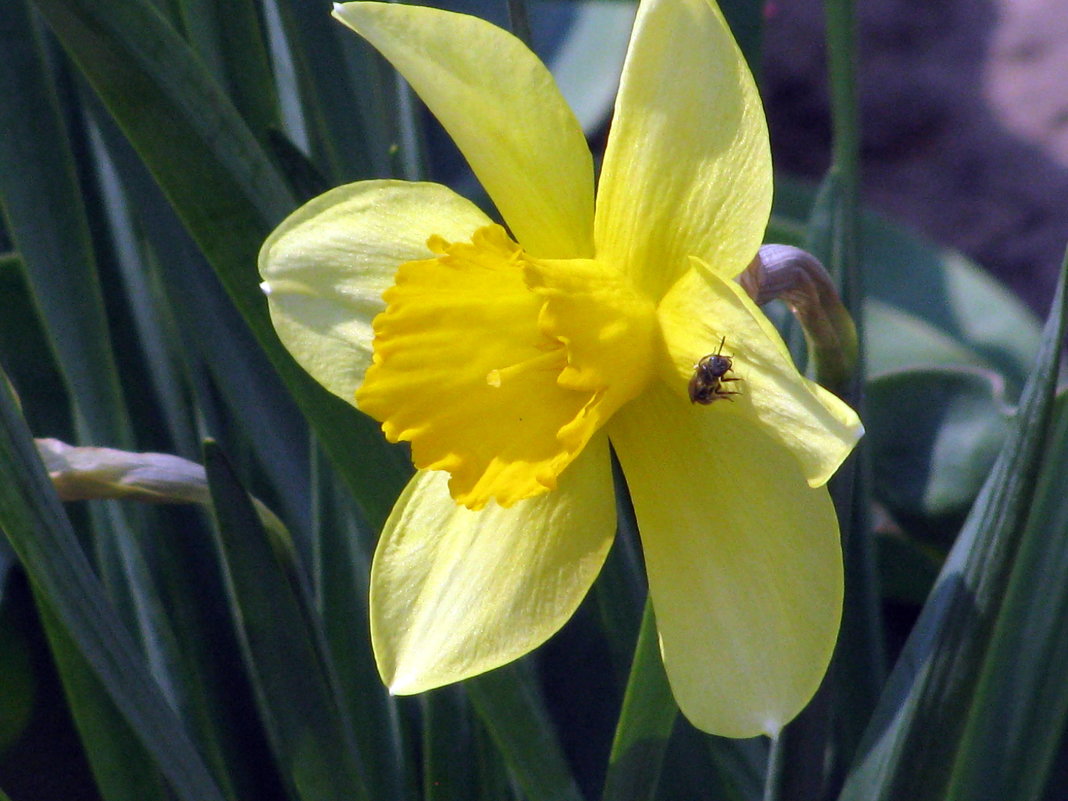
509,359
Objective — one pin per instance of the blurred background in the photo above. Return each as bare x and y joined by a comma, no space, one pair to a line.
965,122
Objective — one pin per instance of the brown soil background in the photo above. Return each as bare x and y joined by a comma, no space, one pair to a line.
964,108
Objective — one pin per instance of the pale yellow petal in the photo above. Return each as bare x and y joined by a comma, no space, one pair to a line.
744,562
455,593
503,109
326,266
703,308
687,170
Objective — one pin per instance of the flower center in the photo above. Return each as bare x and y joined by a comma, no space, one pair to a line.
499,368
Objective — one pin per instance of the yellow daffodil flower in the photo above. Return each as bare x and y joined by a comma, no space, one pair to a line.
510,359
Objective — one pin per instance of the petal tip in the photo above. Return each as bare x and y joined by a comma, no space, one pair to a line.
771,728
265,287
395,684
416,679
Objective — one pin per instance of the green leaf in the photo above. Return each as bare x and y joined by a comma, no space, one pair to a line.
345,138
27,357
224,367
645,722
898,340
146,352
283,648
907,569
27,767
1018,717
924,304
810,752
956,297
340,569
211,688
511,708
620,590
231,41
494,781
910,746
519,21
225,189
20,685
448,745
32,519
740,766
845,139
702,767
53,234
303,177
934,435
122,766
42,202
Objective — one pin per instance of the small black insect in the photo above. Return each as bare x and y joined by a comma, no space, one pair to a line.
709,374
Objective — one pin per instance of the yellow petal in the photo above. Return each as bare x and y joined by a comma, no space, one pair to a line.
744,562
687,169
455,593
463,372
326,266
701,309
504,111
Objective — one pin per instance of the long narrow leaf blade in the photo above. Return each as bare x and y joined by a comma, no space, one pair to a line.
229,37
298,701
223,186
448,745
39,532
341,567
1021,704
107,737
911,743
336,125
645,722
509,706
216,346
43,205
